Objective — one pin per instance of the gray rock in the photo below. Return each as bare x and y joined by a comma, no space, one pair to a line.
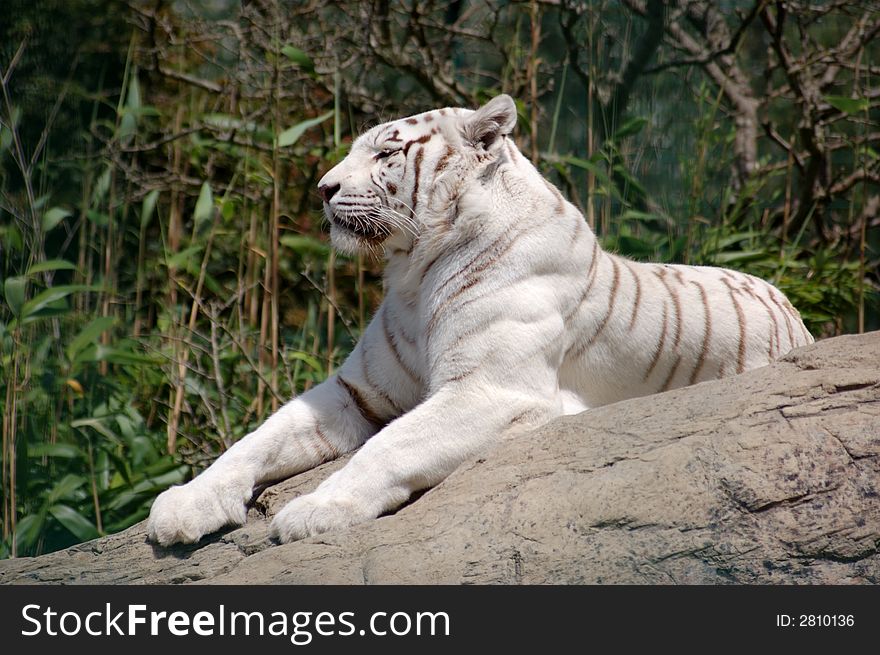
768,477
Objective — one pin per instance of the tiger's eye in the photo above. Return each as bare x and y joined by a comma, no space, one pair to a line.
384,154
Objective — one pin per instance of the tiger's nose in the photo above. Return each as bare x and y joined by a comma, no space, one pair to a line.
327,191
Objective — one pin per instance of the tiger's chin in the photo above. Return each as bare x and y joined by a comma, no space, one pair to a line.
353,242
357,234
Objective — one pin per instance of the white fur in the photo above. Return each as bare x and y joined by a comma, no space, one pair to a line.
500,313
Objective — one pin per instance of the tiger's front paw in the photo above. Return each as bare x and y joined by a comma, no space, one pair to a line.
185,514
315,513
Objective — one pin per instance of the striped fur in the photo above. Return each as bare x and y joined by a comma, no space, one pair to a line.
501,311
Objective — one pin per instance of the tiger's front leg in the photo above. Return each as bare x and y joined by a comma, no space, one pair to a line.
415,452
309,430
510,390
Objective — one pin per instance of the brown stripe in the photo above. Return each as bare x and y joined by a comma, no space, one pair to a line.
521,416
448,353
591,278
400,331
435,316
461,376
429,267
417,165
741,319
560,201
579,225
772,297
365,369
309,444
323,438
796,315
671,375
412,121
704,351
660,343
507,188
392,345
486,291
676,302
495,245
444,160
638,299
409,144
360,403
615,284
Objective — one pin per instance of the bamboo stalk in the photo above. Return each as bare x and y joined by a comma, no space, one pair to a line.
253,291
591,176
274,230
274,237
532,73
183,359
786,209
331,309
98,520
264,335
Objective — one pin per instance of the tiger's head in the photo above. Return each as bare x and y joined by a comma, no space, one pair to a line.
384,192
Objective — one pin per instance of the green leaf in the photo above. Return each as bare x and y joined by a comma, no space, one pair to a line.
101,353
291,135
89,334
14,292
630,180
64,487
51,265
727,241
76,523
98,218
65,450
148,208
204,205
11,236
587,165
5,138
305,245
306,358
51,295
54,216
630,127
97,425
848,105
181,258
151,485
28,530
133,100
299,58
739,256
102,186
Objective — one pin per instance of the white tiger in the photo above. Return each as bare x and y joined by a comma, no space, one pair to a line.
500,312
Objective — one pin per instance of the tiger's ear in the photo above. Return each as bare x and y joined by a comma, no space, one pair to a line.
485,127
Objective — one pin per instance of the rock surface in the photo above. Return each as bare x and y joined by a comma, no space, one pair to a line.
772,476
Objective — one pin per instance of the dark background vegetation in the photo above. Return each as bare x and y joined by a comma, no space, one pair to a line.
166,281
